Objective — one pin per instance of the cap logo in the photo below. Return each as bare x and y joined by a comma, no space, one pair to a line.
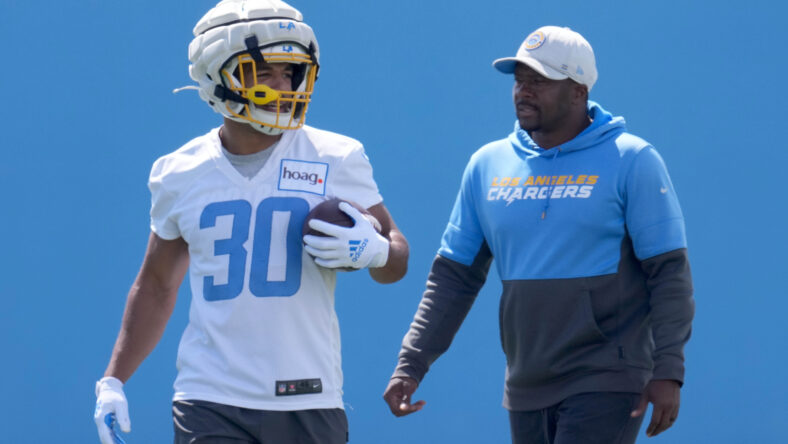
534,40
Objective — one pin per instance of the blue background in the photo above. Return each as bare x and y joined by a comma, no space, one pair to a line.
87,107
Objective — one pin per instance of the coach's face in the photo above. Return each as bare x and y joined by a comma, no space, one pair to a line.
542,105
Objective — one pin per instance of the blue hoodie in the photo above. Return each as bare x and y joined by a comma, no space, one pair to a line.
588,239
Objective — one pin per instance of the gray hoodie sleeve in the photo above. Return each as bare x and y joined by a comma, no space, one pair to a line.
451,290
672,308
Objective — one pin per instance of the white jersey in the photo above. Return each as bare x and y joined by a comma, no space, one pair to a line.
262,312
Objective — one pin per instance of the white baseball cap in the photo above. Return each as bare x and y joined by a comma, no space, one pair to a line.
556,53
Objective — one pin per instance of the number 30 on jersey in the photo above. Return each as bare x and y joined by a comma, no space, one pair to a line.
276,250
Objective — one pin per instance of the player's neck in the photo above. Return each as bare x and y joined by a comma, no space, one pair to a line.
241,138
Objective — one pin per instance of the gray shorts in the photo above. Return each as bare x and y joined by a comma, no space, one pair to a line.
203,422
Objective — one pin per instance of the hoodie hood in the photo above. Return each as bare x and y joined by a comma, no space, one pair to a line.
603,127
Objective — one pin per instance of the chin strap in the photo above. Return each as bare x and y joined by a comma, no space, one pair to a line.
223,93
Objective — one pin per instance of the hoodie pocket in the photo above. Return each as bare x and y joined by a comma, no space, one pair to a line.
550,332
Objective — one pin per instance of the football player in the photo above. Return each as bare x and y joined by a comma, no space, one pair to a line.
260,358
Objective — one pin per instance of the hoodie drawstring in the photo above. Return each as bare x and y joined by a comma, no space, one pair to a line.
551,184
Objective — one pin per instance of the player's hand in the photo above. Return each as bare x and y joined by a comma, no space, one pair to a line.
398,396
359,246
665,395
111,405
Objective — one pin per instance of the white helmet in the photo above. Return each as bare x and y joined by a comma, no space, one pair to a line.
234,38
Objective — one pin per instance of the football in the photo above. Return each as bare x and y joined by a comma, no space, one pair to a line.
329,211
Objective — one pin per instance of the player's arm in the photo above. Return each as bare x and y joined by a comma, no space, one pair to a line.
452,288
149,304
397,264
148,308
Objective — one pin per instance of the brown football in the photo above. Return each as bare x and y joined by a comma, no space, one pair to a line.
329,211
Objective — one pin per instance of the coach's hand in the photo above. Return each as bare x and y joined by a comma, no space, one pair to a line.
111,404
665,395
398,396
359,246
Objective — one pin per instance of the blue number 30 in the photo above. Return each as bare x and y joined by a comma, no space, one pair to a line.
276,260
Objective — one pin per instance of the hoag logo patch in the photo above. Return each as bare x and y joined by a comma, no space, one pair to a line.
301,175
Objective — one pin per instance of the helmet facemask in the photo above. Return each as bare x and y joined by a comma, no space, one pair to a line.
269,110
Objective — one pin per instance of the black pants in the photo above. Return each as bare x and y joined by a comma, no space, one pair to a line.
587,418
202,422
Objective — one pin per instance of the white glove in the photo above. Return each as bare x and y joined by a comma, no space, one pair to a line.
359,246
111,404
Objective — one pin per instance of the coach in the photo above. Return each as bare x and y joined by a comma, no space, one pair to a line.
588,238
